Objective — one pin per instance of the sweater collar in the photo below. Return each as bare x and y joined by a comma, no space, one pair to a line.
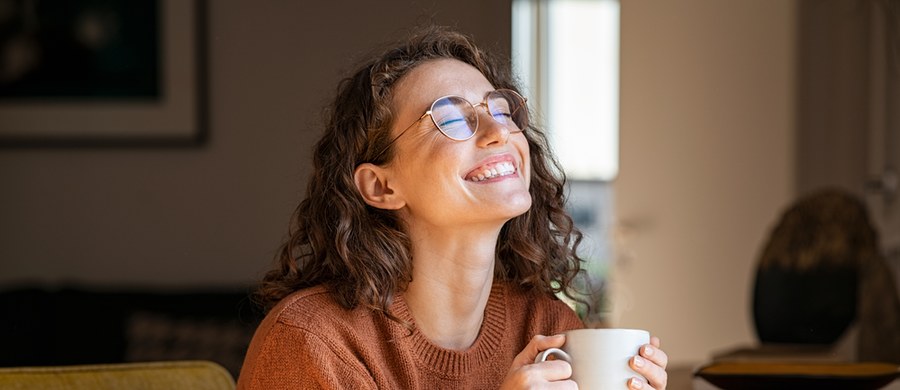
455,363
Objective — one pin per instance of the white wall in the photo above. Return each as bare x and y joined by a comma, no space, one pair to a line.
707,115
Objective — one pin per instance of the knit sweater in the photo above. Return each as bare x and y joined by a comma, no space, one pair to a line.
310,341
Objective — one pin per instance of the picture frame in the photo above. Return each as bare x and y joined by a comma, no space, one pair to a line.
163,104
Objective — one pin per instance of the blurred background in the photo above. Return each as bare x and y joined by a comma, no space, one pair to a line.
727,112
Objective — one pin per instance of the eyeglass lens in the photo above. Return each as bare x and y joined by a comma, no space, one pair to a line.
458,119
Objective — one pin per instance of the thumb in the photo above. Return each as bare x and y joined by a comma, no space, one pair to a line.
537,344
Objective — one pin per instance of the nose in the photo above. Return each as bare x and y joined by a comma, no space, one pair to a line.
490,132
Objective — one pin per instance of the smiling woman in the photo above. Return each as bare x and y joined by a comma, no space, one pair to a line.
428,159
427,253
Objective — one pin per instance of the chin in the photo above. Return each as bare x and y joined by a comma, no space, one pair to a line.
519,204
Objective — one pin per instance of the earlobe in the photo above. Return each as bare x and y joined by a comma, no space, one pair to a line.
372,183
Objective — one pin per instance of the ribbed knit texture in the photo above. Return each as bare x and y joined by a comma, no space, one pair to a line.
309,341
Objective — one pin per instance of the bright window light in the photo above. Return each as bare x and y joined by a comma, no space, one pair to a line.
567,55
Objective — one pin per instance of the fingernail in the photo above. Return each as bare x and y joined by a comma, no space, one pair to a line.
648,351
638,361
636,383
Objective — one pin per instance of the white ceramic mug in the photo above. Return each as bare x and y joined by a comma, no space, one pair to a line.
599,357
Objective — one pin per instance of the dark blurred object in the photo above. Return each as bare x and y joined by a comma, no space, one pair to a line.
821,270
804,307
879,314
43,327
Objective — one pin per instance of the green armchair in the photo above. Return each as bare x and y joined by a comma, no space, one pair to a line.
174,375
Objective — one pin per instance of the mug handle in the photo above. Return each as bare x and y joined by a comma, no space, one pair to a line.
556,352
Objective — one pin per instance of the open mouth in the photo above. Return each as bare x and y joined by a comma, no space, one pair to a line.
492,171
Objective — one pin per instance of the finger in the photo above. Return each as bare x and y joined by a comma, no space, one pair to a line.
656,375
537,344
564,385
638,383
655,341
655,355
552,370
548,374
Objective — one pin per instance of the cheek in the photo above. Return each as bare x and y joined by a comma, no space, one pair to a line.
526,159
423,146
430,163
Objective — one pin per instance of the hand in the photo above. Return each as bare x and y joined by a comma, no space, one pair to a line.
652,365
551,374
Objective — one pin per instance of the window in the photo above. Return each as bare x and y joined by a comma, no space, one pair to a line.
566,53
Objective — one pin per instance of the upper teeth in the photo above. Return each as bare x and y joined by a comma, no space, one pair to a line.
500,169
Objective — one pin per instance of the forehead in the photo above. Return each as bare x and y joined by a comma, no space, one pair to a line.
423,84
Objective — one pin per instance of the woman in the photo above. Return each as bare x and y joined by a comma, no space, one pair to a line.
431,242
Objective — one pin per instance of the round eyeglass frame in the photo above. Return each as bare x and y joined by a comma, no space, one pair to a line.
523,104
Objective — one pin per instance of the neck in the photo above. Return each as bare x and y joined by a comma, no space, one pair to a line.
452,280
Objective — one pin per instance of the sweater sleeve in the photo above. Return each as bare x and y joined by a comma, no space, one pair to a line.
289,357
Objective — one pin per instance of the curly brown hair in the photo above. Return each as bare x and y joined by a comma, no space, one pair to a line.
362,253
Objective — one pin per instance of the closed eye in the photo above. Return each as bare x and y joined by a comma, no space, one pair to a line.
502,116
451,122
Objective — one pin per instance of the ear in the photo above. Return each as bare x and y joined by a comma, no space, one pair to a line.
373,184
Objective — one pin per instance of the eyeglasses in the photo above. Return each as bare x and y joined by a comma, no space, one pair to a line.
457,118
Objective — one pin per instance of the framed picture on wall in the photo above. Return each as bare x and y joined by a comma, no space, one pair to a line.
103,73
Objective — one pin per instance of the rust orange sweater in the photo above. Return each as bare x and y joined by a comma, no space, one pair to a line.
309,341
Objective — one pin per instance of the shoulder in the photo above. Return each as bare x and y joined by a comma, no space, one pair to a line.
306,315
542,310
310,308
539,300
315,313
307,336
